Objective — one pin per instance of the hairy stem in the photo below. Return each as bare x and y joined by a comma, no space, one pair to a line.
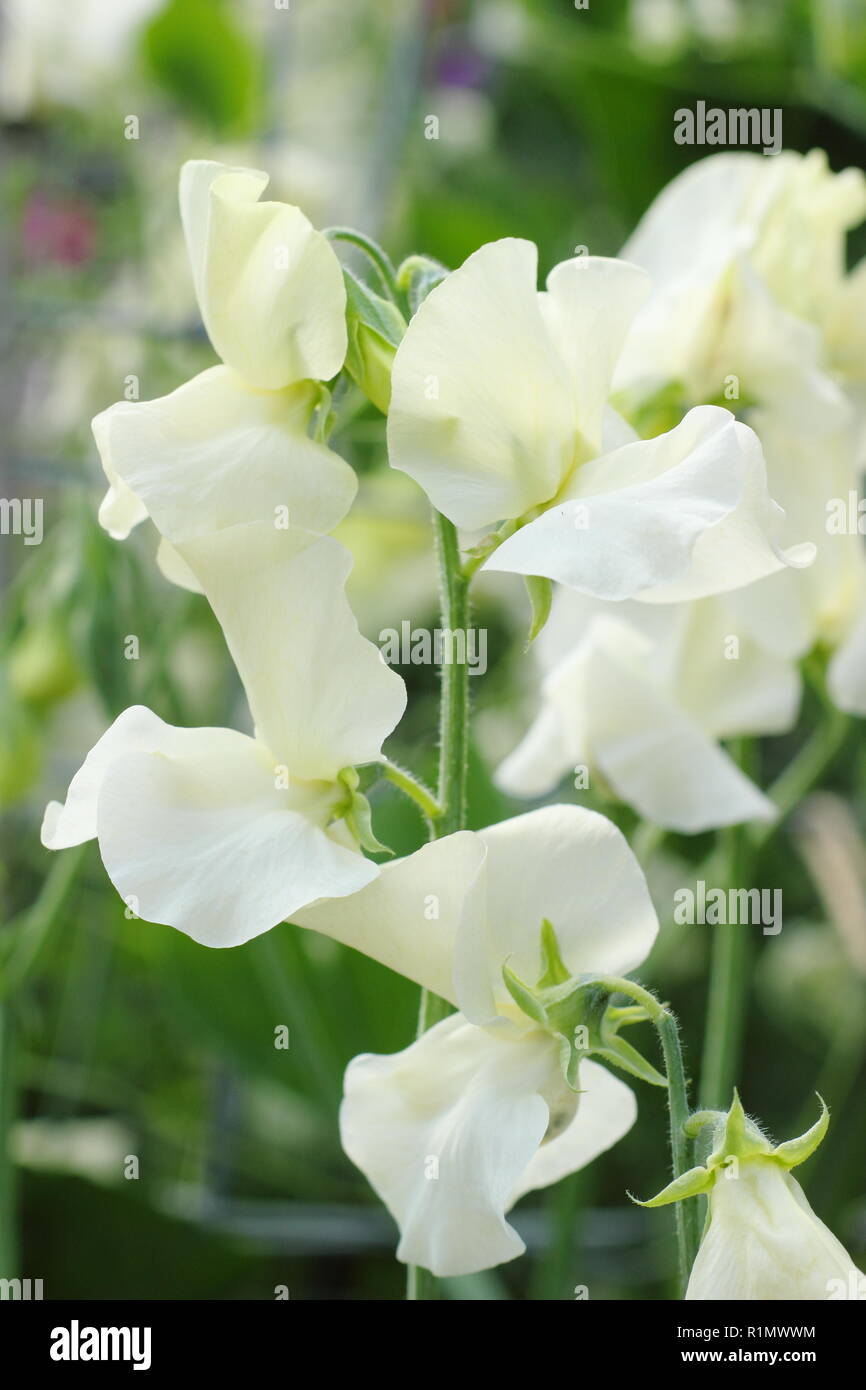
415,789
665,1024
729,975
374,252
453,762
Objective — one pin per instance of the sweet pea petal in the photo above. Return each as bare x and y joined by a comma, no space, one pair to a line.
195,833
481,408
74,822
764,1243
687,254
571,866
409,917
686,514
321,695
444,1132
120,510
606,1110
745,546
542,758
588,307
653,754
269,286
846,674
672,660
216,453
755,693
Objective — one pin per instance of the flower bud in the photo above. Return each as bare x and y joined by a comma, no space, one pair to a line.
762,1240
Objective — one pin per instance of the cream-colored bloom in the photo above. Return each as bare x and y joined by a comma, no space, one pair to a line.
639,695
747,257
762,1241
499,409
269,286
455,1128
234,444
220,834
750,297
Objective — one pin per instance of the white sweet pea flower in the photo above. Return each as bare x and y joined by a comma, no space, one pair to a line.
269,286
499,410
236,438
220,834
640,698
762,1240
454,1129
745,254
755,295
818,476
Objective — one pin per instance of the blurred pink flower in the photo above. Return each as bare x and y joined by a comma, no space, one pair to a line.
57,229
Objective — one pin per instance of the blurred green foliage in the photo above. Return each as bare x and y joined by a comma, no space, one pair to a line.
565,120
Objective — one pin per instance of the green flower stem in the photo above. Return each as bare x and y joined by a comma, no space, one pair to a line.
380,258
729,976
454,703
665,1024
453,763
415,789
731,949
803,771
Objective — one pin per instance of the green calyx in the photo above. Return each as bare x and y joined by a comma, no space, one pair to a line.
577,1011
737,1139
375,328
355,810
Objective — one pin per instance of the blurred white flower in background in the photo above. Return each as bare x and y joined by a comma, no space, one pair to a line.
65,54
637,695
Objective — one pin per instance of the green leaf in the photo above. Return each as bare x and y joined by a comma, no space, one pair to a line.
200,56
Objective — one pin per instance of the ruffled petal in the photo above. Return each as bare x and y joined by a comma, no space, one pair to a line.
606,1110
686,514
409,917
654,755
566,864
321,695
444,1132
217,453
269,286
481,408
588,308
74,821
